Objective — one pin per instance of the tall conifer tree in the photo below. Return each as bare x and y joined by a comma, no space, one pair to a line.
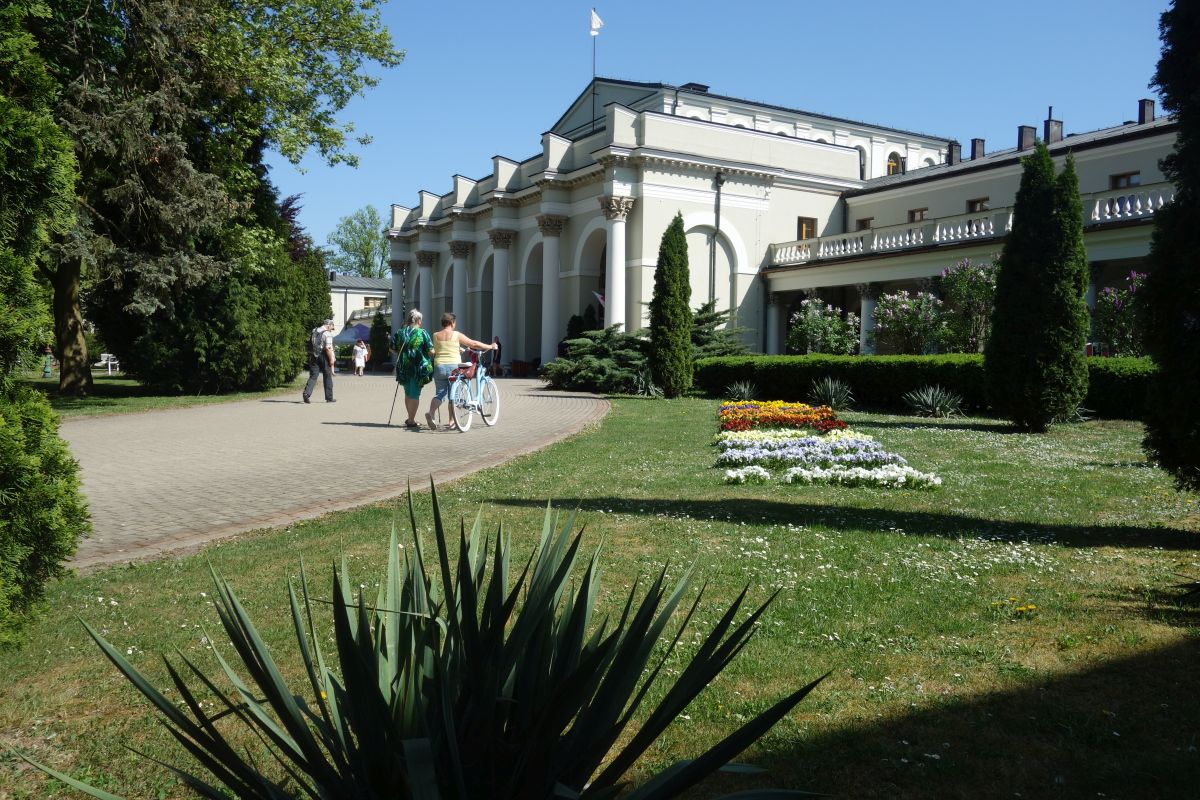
671,314
1171,296
1034,358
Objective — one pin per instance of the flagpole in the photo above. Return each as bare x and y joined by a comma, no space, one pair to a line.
594,38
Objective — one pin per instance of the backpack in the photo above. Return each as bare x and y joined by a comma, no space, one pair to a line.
316,341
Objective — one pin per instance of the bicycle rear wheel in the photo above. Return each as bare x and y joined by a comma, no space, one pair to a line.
460,398
489,401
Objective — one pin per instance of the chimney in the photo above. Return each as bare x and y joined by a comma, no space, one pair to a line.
955,154
977,149
1145,111
1026,135
332,275
904,166
1052,132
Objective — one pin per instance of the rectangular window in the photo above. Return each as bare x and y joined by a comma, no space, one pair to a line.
806,228
1124,180
372,302
916,214
864,224
977,205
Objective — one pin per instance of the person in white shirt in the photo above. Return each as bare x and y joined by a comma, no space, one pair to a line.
361,354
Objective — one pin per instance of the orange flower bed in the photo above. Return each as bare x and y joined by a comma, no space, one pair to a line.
748,414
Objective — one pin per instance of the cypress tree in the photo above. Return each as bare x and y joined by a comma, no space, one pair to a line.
1171,296
671,314
1034,357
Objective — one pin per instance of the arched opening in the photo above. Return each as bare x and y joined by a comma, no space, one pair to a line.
589,282
525,319
893,163
445,298
699,240
928,162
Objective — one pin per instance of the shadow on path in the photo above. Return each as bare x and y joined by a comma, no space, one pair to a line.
922,523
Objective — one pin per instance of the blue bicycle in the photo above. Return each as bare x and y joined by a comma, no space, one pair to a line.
474,391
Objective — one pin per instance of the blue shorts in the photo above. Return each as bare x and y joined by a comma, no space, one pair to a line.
441,380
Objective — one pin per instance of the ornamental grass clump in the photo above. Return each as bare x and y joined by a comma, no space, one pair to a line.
457,681
934,401
832,392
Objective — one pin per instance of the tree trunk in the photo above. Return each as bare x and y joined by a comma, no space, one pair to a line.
75,370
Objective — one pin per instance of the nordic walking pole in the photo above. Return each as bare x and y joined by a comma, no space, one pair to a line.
393,411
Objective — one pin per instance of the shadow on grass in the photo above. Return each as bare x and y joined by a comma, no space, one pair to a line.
921,523
1124,728
916,422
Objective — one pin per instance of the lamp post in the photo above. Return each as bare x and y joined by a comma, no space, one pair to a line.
719,180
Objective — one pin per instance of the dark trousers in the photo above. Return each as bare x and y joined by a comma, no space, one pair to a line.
319,366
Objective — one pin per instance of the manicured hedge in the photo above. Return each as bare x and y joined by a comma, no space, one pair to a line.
1118,385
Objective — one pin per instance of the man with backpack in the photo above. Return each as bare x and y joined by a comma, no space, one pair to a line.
321,359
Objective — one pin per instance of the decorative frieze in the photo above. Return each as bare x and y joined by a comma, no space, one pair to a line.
427,258
501,239
460,249
551,224
616,207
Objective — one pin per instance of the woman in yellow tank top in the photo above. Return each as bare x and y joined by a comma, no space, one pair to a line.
446,357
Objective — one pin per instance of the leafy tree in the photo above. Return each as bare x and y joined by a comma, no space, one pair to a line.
969,290
713,336
1034,357
42,514
671,315
817,327
1172,291
359,246
170,104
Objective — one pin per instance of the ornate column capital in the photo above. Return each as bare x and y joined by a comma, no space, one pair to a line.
460,249
616,207
427,258
551,224
868,291
398,264
501,239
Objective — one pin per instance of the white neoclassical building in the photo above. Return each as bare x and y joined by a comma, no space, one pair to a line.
778,204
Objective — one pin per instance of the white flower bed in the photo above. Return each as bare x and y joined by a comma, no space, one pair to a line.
841,457
886,476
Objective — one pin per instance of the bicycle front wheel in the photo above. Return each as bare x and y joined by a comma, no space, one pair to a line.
489,401
463,404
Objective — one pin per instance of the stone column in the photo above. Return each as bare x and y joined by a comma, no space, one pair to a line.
774,323
867,293
459,252
616,209
551,226
425,261
399,269
501,241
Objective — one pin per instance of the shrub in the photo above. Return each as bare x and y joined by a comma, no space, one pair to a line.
42,513
606,361
741,390
476,687
817,327
969,292
1117,391
670,314
934,401
380,340
713,336
909,324
832,392
1036,368
1116,319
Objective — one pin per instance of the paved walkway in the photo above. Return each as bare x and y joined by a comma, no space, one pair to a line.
174,480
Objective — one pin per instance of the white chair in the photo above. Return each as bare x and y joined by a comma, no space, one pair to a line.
109,361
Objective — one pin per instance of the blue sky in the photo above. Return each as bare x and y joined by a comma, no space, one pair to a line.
482,79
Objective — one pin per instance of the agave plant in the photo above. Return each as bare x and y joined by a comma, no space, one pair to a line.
934,401
741,390
644,385
471,685
832,392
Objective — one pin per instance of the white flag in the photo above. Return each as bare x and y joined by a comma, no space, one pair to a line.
597,23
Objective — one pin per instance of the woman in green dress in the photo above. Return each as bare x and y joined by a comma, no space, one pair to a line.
414,365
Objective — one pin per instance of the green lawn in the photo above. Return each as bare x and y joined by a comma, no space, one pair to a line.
115,394
939,687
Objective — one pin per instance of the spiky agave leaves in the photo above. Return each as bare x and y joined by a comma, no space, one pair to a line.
474,684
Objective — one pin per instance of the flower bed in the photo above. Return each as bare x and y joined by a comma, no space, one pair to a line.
810,444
